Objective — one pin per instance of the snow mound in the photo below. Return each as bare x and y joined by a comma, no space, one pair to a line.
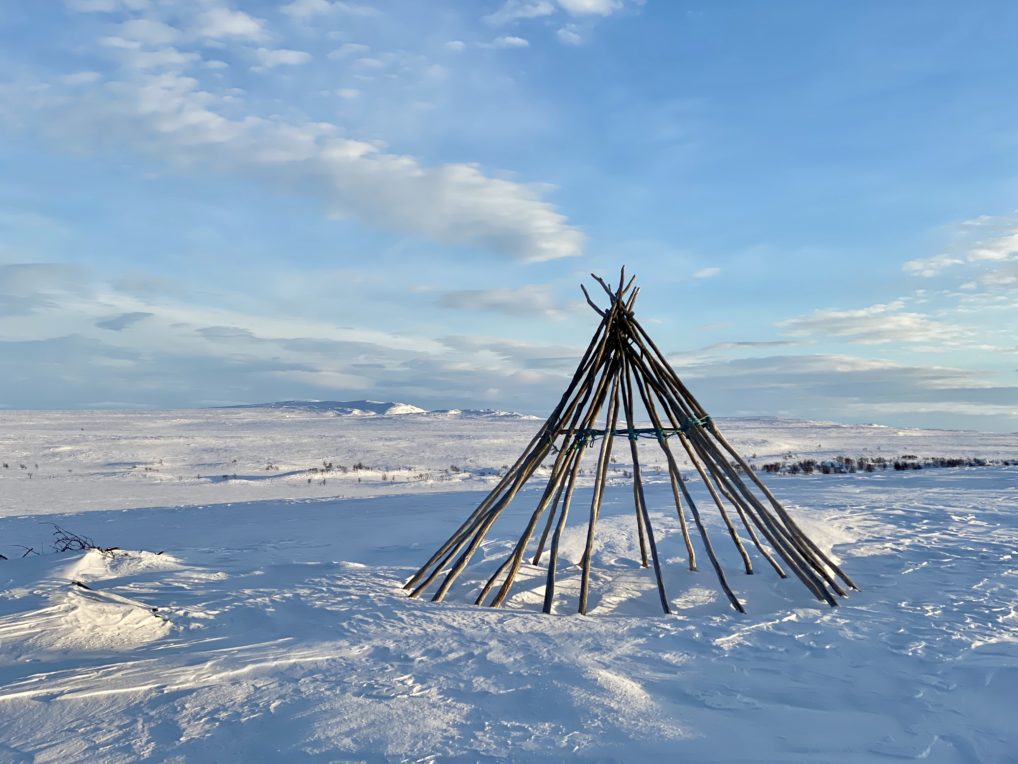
96,565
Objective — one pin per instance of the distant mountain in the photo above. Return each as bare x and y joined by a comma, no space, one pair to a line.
340,408
382,408
480,414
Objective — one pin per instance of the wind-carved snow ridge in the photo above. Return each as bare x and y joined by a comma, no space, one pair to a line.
265,620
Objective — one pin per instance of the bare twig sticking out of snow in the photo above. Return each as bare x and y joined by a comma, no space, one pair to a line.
67,541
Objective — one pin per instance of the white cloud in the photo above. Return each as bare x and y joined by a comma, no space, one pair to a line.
875,324
456,45
169,351
222,23
591,7
999,249
155,59
306,8
368,63
509,41
528,301
842,386
281,57
706,273
952,407
569,35
348,93
356,9
112,41
514,10
80,78
106,6
931,266
349,49
149,32
171,118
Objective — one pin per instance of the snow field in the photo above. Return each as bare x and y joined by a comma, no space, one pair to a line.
281,631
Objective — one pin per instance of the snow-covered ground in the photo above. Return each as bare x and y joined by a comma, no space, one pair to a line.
281,632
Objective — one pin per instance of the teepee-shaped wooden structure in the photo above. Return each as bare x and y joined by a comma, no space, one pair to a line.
622,367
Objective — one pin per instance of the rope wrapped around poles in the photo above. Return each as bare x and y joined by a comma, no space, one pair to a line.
588,437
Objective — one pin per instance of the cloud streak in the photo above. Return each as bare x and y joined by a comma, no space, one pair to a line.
876,324
527,302
994,255
160,107
123,321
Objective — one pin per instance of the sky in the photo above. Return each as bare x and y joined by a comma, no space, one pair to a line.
209,202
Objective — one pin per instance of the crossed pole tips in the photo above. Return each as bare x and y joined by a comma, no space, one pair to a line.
621,368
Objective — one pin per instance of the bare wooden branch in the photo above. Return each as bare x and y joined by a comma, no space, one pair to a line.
591,303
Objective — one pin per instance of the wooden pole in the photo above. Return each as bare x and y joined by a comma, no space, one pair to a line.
746,562
785,544
547,430
602,360
674,468
555,505
587,421
746,524
560,470
595,503
620,353
816,557
556,479
496,501
549,587
643,523
780,509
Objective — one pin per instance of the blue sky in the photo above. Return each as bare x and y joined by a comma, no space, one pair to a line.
206,202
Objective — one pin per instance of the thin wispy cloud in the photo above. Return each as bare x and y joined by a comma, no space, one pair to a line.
158,111
706,273
307,9
270,58
225,23
569,35
526,302
510,41
875,324
986,252
123,321
514,10
591,7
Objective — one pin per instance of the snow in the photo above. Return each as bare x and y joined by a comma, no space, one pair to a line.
281,632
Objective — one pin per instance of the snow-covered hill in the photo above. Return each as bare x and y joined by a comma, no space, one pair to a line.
252,615
382,408
482,414
341,408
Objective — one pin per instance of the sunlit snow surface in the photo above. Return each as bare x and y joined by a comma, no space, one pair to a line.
282,632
